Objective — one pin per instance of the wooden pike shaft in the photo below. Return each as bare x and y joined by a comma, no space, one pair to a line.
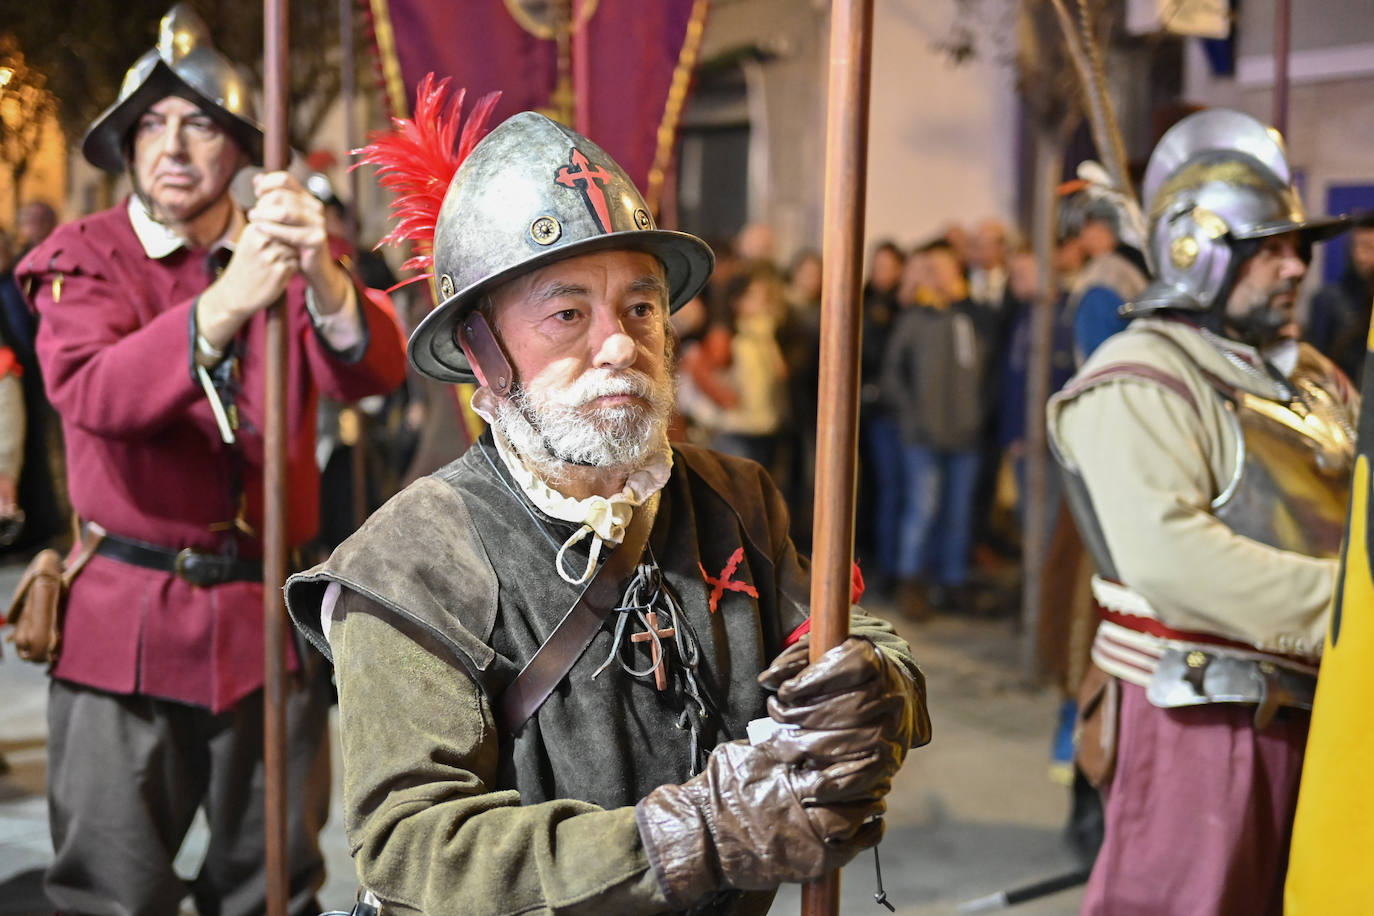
348,97
348,94
837,423
275,158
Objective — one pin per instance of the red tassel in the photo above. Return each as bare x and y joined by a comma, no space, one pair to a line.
417,159
856,591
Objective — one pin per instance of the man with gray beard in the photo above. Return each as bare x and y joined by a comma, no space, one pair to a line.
550,652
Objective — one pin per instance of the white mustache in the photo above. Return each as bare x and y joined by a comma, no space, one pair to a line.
590,387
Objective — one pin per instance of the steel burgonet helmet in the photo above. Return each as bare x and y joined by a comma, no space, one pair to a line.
531,193
184,63
1217,177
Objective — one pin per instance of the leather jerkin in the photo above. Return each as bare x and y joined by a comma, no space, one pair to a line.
565,645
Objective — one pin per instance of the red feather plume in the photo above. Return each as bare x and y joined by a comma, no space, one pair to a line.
417,159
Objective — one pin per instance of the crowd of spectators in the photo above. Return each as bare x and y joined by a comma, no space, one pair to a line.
939,326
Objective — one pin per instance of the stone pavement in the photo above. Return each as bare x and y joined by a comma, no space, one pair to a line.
972,813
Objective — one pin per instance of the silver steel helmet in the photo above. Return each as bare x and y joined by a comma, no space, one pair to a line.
184,63
533,192
1216,177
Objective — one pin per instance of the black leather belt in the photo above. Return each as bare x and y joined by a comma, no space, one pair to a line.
202,569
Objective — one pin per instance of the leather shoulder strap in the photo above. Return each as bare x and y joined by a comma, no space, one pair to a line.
565,645
1134,370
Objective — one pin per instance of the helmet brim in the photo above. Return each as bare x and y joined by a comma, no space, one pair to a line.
103,145
433,348
1310,230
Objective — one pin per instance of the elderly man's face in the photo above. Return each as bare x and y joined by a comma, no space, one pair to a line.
587,338
183,160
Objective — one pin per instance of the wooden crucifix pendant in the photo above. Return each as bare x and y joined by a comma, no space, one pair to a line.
659,658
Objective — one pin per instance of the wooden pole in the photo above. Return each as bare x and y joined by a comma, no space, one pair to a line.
1049,162
275,157
1283,18
846,162
348,91
348,95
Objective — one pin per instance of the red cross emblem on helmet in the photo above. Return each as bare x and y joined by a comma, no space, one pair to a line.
585,179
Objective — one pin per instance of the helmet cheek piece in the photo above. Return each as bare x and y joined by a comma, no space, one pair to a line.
1192,251
485,354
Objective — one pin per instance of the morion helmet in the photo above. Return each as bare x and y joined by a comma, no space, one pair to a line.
533,192
1217,177
184,63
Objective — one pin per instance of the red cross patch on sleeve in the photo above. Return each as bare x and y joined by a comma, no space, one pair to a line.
719,584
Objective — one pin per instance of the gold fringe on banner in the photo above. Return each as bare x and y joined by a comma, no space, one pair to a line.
391,64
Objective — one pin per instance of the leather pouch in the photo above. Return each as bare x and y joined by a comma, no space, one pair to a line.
37,608
1099,707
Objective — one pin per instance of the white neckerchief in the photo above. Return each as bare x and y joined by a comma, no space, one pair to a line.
603,518
159,241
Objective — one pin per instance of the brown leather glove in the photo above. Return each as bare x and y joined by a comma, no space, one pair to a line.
854,702
750,822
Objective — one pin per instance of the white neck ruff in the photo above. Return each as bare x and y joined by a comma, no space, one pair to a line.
603,518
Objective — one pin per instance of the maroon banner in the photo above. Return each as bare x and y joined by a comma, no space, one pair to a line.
633,49
479,44
637,62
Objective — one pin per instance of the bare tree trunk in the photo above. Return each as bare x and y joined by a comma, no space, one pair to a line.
1049,164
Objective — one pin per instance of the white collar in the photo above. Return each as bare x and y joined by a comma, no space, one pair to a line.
604,518
159,240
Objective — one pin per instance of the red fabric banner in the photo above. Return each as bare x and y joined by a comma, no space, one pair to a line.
633,50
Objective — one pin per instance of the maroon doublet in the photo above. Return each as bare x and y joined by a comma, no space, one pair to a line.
146,461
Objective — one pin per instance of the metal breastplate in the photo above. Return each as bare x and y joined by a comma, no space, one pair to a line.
1293,466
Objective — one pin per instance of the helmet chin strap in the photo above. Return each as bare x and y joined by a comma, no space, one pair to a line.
485,354
493,369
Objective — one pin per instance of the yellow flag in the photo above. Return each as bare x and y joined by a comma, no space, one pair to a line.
1331,865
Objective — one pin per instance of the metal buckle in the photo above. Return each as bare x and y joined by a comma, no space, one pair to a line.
184,556
191,566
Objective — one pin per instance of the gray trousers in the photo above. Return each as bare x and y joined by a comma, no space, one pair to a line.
126,775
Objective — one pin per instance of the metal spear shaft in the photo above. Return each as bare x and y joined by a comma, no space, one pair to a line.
846,162
275,157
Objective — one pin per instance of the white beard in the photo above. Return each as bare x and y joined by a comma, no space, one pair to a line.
553,429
